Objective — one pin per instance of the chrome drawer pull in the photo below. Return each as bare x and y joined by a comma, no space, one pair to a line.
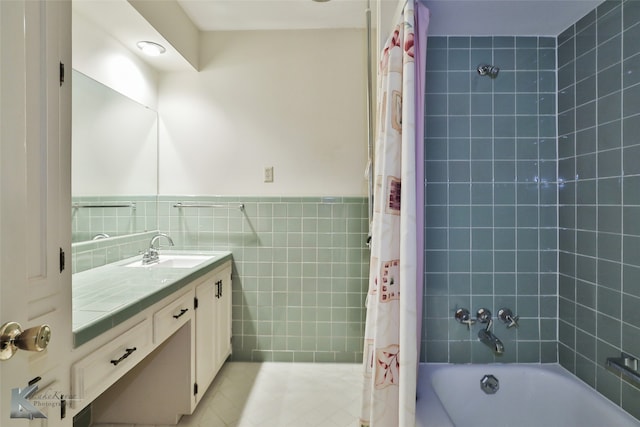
124,356
183,311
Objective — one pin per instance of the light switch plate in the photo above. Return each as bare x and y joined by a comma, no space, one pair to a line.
268,174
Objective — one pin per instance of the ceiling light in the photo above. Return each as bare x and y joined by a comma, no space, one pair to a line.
151,48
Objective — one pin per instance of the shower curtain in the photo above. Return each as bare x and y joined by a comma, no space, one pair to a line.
394,300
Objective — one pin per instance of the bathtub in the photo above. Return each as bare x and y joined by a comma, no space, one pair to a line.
529,395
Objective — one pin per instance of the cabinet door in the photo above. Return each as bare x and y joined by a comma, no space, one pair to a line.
205,335
213,327
223,317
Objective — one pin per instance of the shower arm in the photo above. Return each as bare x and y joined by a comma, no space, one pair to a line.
488,70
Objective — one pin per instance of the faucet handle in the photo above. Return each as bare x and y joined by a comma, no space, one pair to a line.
507,316
150,256
463,316
484,315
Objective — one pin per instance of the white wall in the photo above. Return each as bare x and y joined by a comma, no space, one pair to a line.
294,100
103,58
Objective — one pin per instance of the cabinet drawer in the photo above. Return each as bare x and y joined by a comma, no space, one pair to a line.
100,369
170,318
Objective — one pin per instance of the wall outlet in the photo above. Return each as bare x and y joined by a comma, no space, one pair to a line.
268,174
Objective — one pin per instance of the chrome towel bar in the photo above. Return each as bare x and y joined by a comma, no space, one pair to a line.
105,205
208,205
625,365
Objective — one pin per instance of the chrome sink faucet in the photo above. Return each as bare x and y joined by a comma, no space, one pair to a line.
485,335
151,255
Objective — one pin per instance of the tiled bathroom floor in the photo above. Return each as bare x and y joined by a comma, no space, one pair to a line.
281,395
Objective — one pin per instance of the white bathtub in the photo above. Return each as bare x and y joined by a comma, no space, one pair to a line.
530,395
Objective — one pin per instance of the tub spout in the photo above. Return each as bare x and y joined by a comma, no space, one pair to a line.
485,335
490,340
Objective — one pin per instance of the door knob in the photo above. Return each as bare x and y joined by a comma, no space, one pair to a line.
13,337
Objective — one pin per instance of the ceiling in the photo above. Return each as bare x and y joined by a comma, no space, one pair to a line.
222,15
448,17
505,17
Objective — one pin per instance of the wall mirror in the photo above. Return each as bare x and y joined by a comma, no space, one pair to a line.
114,163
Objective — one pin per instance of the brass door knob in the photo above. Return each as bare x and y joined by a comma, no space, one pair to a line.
13,337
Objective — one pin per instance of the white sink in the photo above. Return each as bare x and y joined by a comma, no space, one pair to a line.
174,261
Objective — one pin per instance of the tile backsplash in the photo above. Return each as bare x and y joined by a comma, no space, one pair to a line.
599,196
96,253
300,274
490,214
133,214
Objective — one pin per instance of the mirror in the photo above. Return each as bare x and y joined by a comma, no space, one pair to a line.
114,163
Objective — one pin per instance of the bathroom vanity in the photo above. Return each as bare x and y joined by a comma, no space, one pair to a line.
149,340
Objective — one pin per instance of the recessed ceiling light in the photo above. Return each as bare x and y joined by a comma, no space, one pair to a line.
151,48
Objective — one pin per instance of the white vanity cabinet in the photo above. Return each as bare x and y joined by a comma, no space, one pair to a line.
94,373
186,337
213,327
171,317
223,316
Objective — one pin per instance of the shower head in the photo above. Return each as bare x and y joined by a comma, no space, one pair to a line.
488,70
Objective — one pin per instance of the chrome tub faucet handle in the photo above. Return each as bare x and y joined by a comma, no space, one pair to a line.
484,316
463,316
507,316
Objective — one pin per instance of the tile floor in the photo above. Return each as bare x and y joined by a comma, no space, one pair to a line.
281,395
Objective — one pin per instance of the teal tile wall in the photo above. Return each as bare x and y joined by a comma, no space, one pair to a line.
88,222
490,214
96,253
599,196
300,271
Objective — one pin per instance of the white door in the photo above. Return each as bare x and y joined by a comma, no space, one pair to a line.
35,37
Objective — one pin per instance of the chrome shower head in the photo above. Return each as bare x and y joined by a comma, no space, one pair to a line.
488,70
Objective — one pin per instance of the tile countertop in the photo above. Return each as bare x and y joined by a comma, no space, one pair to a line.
106,296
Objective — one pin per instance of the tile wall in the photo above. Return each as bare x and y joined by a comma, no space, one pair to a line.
87,222
300,271
491,224
599,195
96,253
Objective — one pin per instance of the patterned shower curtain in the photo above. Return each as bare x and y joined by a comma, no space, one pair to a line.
391,348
